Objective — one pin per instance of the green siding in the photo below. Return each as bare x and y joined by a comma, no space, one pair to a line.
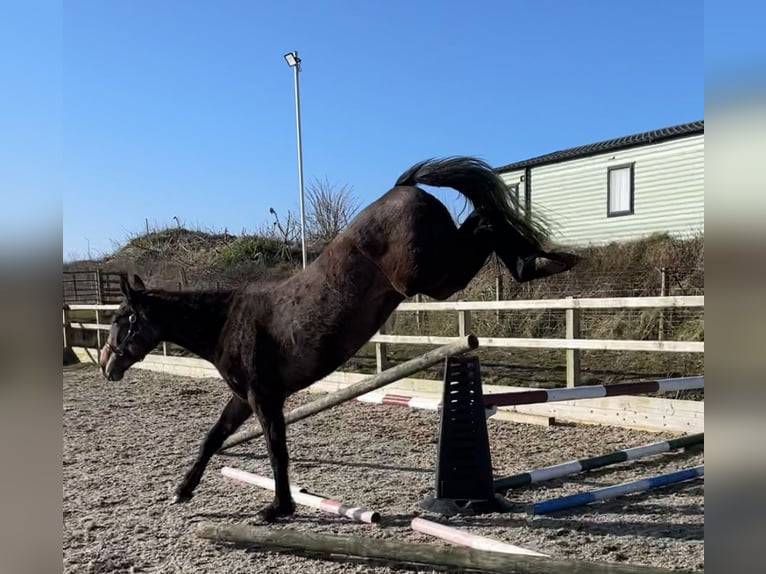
513,178
669,193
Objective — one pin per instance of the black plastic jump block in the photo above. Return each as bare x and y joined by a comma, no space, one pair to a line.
464,482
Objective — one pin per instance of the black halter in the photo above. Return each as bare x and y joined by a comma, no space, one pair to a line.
119,350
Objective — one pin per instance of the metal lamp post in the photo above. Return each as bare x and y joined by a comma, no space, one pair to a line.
294,62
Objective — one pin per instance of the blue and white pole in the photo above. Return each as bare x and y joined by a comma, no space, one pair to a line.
583,498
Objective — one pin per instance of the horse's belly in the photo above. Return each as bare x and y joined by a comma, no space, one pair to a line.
333,308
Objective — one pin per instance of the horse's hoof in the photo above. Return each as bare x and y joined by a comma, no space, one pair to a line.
557,262
179,498
566,260
271,512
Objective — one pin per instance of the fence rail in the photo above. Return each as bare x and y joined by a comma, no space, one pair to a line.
572,344
86,287
565,303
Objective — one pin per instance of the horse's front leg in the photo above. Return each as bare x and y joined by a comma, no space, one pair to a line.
272,419
234,414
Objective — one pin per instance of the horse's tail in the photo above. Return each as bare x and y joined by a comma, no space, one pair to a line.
481,185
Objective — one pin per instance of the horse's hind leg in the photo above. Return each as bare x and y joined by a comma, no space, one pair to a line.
525,259
455,261
272,419
541,264
234,414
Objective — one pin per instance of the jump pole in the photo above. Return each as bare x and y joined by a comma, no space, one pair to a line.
593,391
609,492
425,403
302,497
584,464
463,538
463,345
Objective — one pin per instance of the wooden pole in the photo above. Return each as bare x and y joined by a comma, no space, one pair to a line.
405,553
366,385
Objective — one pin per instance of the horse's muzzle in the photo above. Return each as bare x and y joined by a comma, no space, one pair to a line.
108,363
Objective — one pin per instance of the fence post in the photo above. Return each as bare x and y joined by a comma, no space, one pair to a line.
464,323
418,299
573,355
498,293
99,287
98,331
381,349
663,293
65,325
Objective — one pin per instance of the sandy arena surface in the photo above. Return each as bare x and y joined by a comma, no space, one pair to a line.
127,445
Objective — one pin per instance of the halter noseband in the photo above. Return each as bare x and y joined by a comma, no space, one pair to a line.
119,350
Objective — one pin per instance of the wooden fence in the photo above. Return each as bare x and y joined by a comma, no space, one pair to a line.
91,287
640,412
572,343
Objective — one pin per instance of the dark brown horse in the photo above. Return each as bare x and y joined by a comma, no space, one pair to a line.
269,340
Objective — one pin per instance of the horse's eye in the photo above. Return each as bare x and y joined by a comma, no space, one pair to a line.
132,318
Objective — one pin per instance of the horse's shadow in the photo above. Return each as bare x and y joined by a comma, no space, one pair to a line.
324,461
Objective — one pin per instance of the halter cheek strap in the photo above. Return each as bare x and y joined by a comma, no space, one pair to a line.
119,350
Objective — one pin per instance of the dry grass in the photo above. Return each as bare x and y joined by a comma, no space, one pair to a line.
168,257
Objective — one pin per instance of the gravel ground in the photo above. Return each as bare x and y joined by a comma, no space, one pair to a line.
127,444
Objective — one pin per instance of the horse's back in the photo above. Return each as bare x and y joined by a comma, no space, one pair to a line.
398,222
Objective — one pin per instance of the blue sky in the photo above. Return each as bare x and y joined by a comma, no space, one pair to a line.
185,108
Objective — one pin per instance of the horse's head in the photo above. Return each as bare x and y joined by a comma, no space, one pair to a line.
132,334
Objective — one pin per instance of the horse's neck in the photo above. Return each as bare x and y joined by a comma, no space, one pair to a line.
192,320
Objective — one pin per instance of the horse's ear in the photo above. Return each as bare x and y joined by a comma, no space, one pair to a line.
125,287
138,284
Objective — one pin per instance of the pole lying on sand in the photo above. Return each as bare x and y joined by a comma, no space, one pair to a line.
387,377
333,546
302,497
609,492
464,538
585,464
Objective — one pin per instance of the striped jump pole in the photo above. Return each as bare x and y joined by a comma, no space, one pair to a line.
609,492
584,464
593,391
463,538
301,496
425,403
